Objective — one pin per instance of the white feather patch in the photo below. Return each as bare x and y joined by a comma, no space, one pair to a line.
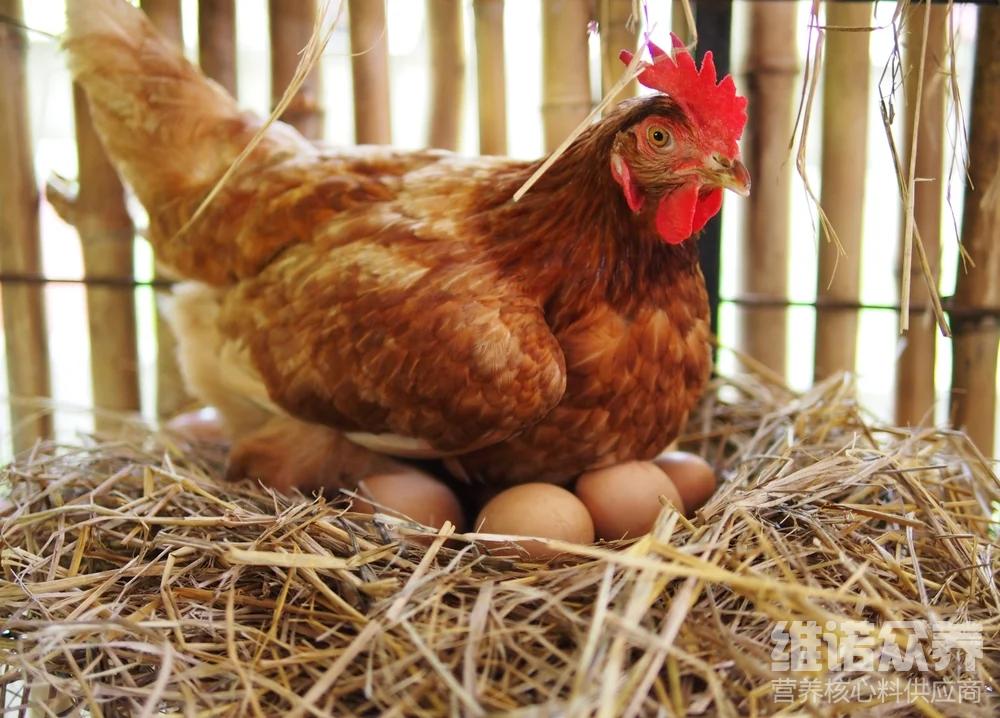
396,445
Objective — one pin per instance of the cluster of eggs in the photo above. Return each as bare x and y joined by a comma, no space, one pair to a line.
621,501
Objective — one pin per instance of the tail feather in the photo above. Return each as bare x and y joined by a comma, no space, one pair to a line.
171,131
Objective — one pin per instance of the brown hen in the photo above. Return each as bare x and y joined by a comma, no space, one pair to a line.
403,298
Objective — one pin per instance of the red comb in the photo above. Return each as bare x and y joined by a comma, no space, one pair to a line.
716,108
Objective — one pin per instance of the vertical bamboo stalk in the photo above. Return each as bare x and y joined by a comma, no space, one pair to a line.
217,41
491,77
616,35
171,396
447,56
974,372
845,131
678,19
915,370
106,236
370,72
20,250
714,24
166,16
291,26
771,68
566,68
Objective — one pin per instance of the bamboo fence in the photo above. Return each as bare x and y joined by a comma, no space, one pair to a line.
771,68
171,395
769,79
845,125
166,15
217,42
370,71
915,383
565,68
618,29
97,209
291,25
20,250
491,78
447,65
976,321
680,20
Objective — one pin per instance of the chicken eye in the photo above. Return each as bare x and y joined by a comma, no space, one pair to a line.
658,137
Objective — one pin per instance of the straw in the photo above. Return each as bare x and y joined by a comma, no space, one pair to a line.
136,581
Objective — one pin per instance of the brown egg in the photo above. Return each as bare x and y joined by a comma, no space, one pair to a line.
202,425
412,494
535,510
624,499
692,475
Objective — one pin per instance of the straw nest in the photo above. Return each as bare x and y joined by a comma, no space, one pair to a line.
136,582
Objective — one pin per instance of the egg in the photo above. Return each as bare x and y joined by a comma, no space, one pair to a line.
535,509
413,494
624,499
692,475
203,425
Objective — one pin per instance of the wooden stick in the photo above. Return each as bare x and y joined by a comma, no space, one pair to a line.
20,250
106,235
616,35
166,16
915,370
771,68
291,26
974,370
370,71
566,73
217,41
845,132
491,77
447,58
171,396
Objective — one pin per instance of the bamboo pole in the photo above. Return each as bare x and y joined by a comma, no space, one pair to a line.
20,250
217,41
974,372
166,16
171,396
845,131
915,369
370,72
291,25
613,17
566,68
679,24
714,24
106,235
447,58
491,77
771,65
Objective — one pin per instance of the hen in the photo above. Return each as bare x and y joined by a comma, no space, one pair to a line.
402,298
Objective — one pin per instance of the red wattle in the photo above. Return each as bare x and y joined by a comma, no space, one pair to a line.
706,208
684,212
675,214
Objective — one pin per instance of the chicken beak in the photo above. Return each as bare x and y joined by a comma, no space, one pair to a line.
736,178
